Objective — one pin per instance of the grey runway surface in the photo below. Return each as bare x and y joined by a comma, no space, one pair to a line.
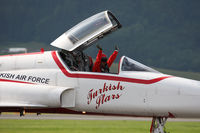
80,117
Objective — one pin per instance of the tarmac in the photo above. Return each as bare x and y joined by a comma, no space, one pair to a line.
33,116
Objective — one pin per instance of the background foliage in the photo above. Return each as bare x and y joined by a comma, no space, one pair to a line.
159,33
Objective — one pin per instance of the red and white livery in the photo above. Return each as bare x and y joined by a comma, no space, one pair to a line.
43,82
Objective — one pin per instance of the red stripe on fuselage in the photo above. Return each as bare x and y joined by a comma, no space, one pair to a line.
104,77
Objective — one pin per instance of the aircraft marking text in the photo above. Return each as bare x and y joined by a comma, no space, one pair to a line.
100,94
26,78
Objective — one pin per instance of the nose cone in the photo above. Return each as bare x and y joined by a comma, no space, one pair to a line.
187,102
189,87
177,96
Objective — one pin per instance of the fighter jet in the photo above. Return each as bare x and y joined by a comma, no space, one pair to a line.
54,82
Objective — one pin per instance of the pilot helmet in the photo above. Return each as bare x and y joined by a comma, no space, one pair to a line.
103,58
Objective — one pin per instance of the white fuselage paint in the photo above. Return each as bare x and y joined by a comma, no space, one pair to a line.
40,80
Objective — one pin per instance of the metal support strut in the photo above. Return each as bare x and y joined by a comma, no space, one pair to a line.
22,112
158,125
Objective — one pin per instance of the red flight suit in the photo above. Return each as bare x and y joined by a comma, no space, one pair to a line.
97,64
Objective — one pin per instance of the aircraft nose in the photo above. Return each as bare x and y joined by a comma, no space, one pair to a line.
185,101
190,88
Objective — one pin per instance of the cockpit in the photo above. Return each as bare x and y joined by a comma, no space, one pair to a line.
74,41
78,61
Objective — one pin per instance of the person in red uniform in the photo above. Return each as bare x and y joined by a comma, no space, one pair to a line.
102,64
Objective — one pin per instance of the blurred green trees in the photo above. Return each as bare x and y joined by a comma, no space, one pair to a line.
158,33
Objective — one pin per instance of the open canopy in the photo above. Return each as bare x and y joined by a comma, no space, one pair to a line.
83,34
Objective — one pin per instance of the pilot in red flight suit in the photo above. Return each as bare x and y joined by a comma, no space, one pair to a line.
102,64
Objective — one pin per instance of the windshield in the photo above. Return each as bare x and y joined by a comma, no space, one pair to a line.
131,65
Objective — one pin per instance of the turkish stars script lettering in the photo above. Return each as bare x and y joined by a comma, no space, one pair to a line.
100,94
